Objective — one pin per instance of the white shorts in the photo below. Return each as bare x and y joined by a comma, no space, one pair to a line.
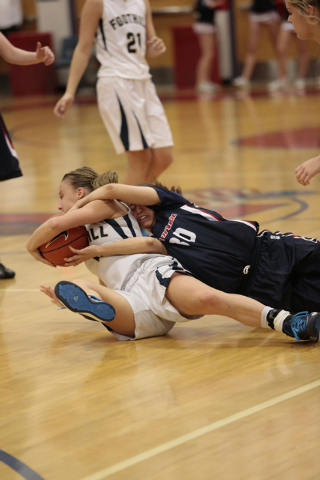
145,291
133,114
267,17
287,26
203,27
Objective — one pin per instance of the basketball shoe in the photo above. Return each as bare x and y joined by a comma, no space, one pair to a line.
303,326
6,272
76,300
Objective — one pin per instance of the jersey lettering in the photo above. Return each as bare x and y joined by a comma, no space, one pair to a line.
93,235
132,42
168,227
102,234
126,18
184,235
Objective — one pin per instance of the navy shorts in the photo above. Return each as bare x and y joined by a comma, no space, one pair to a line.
287,272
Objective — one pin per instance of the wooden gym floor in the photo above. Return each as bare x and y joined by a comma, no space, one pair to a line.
211,400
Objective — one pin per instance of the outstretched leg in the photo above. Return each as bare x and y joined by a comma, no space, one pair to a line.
97,302
191,297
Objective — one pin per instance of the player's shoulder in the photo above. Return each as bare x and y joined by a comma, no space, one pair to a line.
168,196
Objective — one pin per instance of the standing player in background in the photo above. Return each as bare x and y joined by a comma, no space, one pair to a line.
305,17
9,165
262,13
11,16
205,29
286,35
127,99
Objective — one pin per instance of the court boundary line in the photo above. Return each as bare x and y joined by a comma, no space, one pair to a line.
176,442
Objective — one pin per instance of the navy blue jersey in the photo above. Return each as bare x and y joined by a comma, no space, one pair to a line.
215,250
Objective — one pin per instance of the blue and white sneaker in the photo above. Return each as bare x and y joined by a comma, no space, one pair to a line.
76,300
303,326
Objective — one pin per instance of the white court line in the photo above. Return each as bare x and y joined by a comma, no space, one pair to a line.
19,289
118,467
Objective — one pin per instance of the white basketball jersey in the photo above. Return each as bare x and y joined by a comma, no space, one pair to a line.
121,40
116,270
11,13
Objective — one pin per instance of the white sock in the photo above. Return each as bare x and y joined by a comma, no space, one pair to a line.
264,322
280,318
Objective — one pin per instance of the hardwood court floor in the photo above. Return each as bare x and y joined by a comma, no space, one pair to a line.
211,400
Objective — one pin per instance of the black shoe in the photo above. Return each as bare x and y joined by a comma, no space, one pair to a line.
6,272
304,326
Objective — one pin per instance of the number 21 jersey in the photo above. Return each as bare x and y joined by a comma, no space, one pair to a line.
121,40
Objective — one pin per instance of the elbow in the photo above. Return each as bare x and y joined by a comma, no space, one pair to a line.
53,223
110,190
151,244
84,49
54,227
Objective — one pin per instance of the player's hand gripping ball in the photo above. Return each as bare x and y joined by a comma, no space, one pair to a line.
58,249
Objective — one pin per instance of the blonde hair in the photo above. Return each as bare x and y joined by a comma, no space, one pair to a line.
302,7
86,177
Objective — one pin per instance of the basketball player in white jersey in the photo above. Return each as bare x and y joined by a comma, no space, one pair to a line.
150,292
129,106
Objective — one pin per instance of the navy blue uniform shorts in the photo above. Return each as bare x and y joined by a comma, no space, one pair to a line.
287,272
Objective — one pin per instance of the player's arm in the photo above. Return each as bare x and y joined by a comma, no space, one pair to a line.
21,57
129,246
91,14
126,193
155,45
92,213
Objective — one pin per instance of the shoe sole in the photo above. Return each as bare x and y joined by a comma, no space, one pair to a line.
313,331
76,300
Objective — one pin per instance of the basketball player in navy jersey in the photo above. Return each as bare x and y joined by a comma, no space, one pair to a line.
129,106
9,164
150,292
280,270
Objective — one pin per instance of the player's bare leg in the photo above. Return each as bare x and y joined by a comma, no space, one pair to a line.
123,320
204,66
144,166
161,160
253,43
139,163
192,297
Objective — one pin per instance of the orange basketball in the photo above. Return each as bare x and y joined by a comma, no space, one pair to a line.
58,249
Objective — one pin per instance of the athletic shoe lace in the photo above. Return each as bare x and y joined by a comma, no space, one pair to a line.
298,324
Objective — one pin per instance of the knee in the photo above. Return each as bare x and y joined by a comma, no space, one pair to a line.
167,158
209,299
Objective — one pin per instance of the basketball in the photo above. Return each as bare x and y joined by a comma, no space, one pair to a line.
58,249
